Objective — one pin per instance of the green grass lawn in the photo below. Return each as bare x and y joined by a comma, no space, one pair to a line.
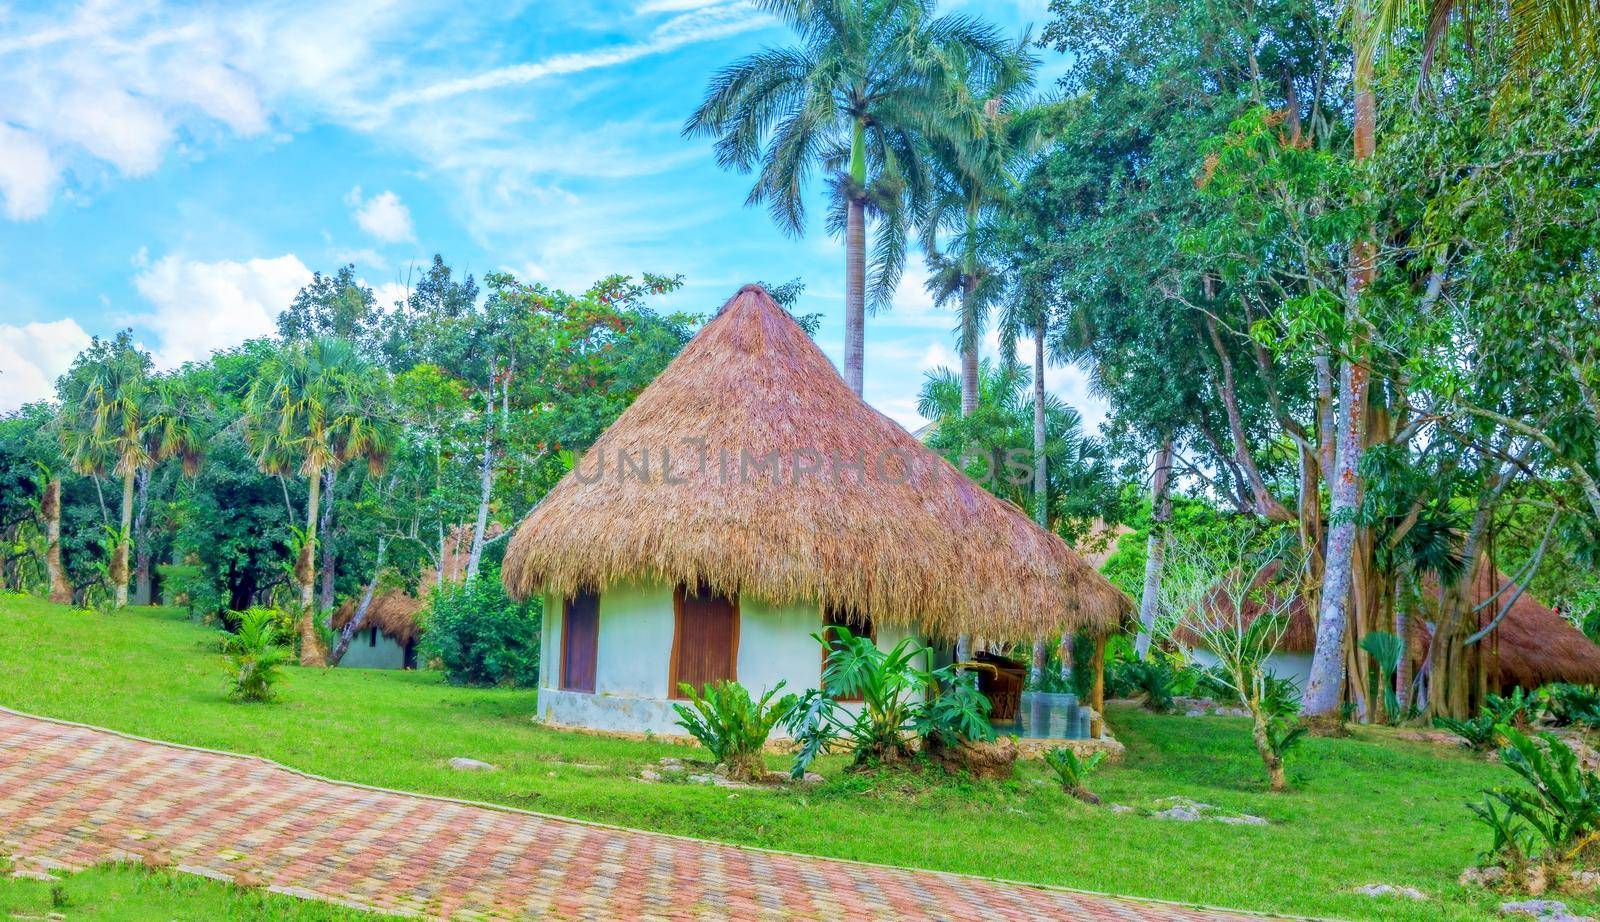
1367,809
129,893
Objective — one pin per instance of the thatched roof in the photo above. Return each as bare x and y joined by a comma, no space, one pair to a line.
1531,646
393,613
911,541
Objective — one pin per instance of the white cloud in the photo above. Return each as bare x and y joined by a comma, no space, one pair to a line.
383,216
28,174
33,355
199,306
702,22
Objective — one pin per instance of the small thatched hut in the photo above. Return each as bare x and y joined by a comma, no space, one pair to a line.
746,500
387,638
1532,645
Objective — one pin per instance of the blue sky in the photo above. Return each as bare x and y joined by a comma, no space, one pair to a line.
181,169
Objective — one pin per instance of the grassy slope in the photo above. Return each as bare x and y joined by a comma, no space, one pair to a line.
1365,810
127,893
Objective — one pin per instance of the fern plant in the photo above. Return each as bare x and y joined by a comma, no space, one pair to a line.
731,725
1567,704
255,658
1073,771
1560,802
1515,709
1480,734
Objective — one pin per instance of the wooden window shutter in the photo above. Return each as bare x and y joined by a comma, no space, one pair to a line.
705,644
580,641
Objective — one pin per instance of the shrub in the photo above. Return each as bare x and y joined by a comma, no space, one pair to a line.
731,726
1567,704
1480,734
1073,771
900,702
1384,650
1082,675
1554,818
254,655
1150,678
1515,709
482,637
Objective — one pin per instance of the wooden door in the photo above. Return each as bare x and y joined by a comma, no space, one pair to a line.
705,645
580,641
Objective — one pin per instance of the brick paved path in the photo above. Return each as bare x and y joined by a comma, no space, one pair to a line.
73,796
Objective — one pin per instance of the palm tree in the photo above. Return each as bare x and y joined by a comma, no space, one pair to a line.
852,98
105,419
314,406
987,133
1568,28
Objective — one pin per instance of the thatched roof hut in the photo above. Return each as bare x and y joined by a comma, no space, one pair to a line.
750,467
393,613
1532,645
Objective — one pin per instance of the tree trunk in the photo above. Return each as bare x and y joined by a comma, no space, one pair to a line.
485,491
969,346
141,543
1156,547
329,548
1266,505
1041,481
50,508
1323,688
119,557
350,628
311,652
855,293
1270,759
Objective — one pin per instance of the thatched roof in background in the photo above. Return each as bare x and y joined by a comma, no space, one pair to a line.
393,613
1532,645
915,543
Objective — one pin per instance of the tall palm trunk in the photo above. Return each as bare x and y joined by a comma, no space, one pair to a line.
119,557
855,263
325,534
1325,684
50,508
1155,547
855,294
1041,477
141,541
311,652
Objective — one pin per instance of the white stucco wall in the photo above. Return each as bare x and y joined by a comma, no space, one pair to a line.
363,654
1296,666
634,652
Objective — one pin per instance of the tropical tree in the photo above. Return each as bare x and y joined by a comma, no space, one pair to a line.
986,133
116,417
314,406
853,98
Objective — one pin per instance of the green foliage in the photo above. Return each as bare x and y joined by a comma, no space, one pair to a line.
1153,679
900,700
1516,709
731,725
1082,675
1568,705
1559,802
1073,771
1480,734
255,655
480,636
1385,649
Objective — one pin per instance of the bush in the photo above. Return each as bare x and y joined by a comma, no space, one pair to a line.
1554,818
254,655
1073,771
731,726
1566,705
900,702
1480,734
1156,681
480,636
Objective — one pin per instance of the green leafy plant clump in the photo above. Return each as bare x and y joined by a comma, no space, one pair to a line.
479,636
901,703
1073,770
731,725
255,656
1549,826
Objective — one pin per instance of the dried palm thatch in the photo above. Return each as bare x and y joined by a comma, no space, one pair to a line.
393,613
750,467
1532,645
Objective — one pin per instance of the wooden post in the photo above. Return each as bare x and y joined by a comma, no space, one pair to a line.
1098,695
